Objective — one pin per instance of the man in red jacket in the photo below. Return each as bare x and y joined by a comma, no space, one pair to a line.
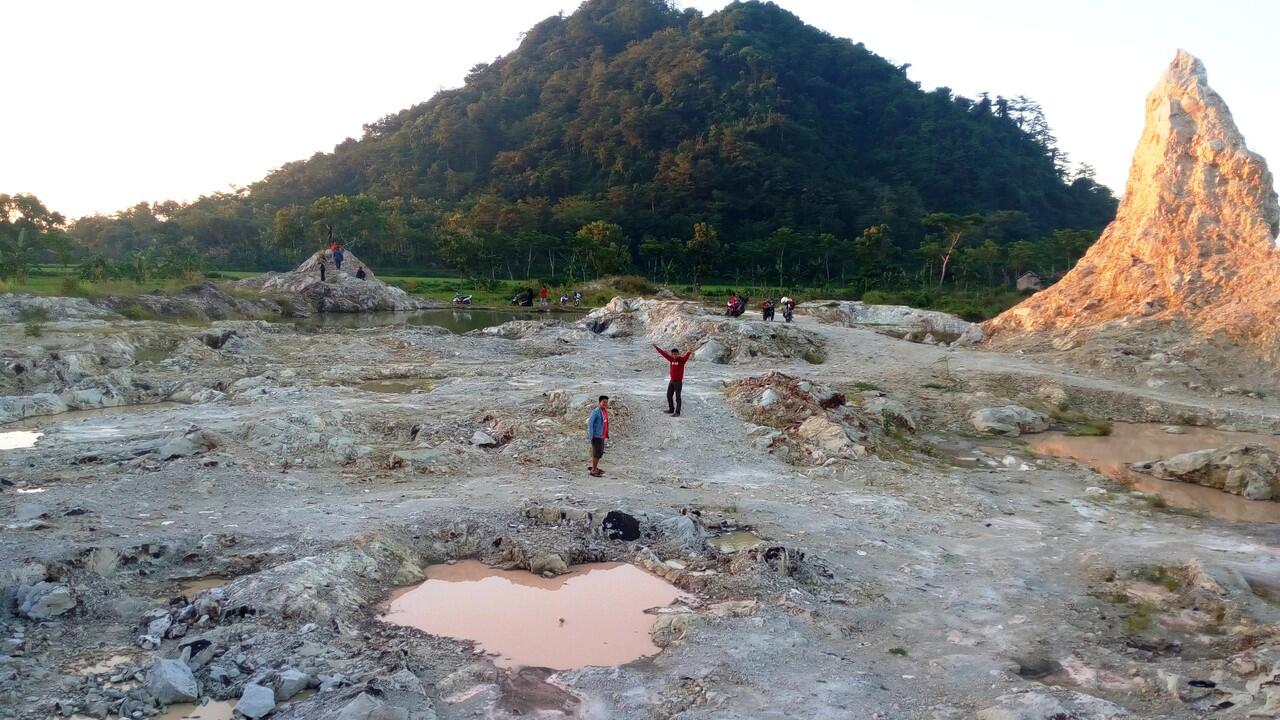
677,377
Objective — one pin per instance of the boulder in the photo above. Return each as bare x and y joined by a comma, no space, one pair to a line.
1249,470
17,407
366,707
548,563
15,306
482,439
340,291
713,337
190,442
291,683
1012,420
890,411
171,681
45,600
256,701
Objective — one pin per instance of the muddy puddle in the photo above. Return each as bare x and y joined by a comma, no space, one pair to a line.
455,321
212,710
76,416
401,386
1130,443
17,439
195,586
736,541
594,615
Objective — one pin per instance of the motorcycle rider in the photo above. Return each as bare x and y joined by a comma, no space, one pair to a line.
767,309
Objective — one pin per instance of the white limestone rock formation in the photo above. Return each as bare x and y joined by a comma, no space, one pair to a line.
1190,260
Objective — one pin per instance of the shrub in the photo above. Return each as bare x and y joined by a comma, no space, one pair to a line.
69,286
33,314
33,329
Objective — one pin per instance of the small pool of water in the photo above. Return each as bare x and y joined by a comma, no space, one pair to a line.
1130,443
16,439
736,541
594,615
454,320
401,386
212,710
195,586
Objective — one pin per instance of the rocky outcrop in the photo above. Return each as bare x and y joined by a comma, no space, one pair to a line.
340,291
714,338
206,301
18,307
897,320
1249,470
1191,257
801,421
1011,420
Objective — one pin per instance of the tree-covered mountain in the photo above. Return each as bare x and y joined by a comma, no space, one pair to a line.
608,134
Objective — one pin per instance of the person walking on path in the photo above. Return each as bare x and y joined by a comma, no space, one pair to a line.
598,433
676,382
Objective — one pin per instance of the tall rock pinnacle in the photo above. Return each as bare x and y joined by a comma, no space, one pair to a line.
1194,239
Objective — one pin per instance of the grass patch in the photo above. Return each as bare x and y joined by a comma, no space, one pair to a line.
33,315
134,311
33,329
864,386
1080,424
900,652
1092,428
1161,575
814,357
1141,620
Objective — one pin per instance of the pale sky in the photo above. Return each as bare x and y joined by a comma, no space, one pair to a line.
111,103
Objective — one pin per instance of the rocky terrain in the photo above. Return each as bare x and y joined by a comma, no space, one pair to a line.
915,560
1182,287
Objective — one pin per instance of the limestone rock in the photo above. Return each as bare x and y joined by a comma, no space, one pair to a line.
890,411
291,683
340,291
897,320
714,338
365,707
45,600
256,701
1193,245
548,563
1045,706
1249,470
1012,420
171,681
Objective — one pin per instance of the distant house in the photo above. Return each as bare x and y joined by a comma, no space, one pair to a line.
1029,281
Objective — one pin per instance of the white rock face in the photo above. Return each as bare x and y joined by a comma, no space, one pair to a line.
894,319
340,291
1012,420
1193,242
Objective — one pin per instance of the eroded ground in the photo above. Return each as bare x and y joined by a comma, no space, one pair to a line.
909,567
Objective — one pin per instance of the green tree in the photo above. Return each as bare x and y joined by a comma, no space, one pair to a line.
664,254
18,255
702,250
603,247
347,219
955,228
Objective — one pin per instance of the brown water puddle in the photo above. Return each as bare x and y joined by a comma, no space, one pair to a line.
735,541
105,666
212,710
594,615
195,586
1130,443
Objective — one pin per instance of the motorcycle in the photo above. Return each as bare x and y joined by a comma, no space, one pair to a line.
523,300
788,312
735,307
460,299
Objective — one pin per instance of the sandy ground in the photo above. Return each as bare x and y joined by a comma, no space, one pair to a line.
915,583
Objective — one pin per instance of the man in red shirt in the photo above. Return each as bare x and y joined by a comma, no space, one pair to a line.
677,377
543,294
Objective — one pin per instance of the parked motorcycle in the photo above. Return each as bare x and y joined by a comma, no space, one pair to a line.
460,299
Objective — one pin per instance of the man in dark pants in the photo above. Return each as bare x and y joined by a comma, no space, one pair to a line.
676,382
597,433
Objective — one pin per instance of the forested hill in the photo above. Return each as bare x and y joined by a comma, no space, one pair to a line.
653,120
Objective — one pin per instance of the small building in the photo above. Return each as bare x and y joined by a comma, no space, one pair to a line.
1029,281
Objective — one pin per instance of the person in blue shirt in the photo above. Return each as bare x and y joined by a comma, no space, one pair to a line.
598,433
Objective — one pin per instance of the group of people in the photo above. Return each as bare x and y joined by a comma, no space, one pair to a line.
737,305
525,298
337,253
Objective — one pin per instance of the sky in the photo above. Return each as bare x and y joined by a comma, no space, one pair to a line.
112,103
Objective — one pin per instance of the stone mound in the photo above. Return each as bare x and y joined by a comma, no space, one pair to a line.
1190,261
715,338
340,291
801,421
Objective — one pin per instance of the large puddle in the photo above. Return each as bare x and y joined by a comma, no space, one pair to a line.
455,321
594,615
15,439
212,710
1130,443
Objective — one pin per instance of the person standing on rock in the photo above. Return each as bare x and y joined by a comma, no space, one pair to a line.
676,381
322,267
360,273
598,433
337,258
543,294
